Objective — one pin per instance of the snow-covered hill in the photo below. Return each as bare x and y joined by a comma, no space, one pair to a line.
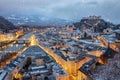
36,20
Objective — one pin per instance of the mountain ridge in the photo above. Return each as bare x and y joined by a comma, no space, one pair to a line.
6,25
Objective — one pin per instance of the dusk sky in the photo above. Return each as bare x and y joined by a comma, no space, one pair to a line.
63,9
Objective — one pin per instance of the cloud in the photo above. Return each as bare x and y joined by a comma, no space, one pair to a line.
65,9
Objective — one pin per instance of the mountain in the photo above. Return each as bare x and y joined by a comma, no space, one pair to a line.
36,20
6,25
95,22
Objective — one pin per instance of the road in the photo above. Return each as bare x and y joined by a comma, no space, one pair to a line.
19,52
71,67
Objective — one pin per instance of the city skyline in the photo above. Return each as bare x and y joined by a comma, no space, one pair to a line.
59,40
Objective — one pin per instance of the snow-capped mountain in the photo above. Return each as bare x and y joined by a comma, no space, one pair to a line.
37,20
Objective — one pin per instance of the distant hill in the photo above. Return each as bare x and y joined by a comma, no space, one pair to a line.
36,20
93,21
5,25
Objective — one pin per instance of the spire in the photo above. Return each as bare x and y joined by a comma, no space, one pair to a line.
33,40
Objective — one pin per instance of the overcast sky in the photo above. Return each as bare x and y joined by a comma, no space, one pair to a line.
64,9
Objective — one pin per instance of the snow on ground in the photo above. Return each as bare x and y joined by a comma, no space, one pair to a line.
111,71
